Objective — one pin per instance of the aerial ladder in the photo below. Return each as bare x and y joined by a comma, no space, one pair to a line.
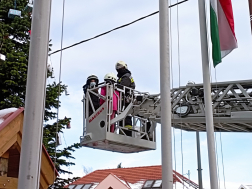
232,112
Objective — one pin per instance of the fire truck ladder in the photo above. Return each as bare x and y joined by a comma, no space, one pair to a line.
232,107
232,112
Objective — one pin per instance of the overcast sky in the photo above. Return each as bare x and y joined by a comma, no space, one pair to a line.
138,46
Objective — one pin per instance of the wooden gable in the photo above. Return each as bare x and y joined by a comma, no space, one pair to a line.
10,148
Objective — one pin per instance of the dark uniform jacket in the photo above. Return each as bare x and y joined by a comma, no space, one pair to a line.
125,79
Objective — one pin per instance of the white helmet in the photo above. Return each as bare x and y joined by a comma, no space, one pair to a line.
120,64
110,76
190,83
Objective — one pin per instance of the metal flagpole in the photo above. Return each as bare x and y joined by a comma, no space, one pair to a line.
167,174
207,96
250,13
30,160
199,161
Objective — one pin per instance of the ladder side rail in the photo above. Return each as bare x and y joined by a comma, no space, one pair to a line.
220,126
193,128
239,98
109,97
87,106
244,99
237,127
244,92
233,128
250,126
157,101
180,97
172,92
235,106
222,96
84,114
226,83
247,83
120,107
176,94
217,93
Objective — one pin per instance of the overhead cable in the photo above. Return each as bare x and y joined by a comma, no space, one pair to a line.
83,41
59,87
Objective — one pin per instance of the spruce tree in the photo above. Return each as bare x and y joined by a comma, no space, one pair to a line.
14,44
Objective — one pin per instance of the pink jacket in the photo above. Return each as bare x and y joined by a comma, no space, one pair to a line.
115,98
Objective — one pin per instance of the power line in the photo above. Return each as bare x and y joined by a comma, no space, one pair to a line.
59,87
86,40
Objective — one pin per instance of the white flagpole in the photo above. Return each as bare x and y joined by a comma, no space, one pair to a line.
167,173
30,160
207,96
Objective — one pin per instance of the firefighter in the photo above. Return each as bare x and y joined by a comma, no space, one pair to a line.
125,79
110,78
92,82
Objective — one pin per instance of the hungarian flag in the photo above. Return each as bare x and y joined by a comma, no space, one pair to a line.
222,29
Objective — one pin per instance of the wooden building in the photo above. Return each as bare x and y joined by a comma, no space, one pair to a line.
11,126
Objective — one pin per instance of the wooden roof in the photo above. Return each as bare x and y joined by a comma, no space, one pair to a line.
10,142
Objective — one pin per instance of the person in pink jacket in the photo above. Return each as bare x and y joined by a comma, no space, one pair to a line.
111,78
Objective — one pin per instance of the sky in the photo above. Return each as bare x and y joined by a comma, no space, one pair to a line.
138,46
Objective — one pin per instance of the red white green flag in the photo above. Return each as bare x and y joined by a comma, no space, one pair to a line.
222,29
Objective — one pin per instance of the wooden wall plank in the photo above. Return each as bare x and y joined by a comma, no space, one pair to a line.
8,142
9,131
17,122
8,183
47,169
5,155
43,181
